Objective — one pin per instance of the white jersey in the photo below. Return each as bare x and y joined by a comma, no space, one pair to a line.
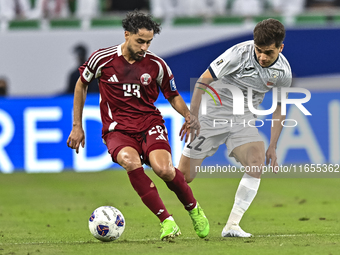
239,67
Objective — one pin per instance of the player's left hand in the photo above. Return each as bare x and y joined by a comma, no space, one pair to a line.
76,138
272,158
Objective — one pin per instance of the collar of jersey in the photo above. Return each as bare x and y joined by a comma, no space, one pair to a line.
119,50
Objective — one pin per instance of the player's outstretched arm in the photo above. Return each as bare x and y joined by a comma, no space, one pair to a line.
274,136
180,106
194,127
77,135
206,78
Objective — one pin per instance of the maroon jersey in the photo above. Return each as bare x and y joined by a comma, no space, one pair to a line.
128,91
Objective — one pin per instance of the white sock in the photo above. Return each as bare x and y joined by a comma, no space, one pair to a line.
170,218
245,194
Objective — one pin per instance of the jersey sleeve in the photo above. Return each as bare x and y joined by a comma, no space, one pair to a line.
226,63
87,74
91,69
166,80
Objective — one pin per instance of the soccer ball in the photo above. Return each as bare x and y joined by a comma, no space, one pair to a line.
107,223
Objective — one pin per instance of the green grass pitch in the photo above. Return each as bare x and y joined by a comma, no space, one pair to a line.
48,214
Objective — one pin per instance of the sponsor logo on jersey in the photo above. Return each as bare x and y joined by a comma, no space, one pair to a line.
273,79
145,79
173,84
113,78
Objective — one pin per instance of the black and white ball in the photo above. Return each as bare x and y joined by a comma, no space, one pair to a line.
107,223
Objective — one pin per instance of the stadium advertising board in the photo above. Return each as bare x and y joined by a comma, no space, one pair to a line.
33,134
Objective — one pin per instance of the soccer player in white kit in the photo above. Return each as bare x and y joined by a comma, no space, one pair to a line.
259,65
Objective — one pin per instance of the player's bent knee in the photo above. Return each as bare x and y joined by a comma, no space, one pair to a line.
166,173
129,162
255,157
256,160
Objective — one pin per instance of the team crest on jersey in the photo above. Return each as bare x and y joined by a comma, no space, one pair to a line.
272,79
145,79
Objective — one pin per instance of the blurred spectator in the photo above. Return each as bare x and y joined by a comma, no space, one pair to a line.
203,7
80,52
126,5
51,9
3,86
187,8
14,9
164,9
215,7
322,3
288,7
87,8
247,8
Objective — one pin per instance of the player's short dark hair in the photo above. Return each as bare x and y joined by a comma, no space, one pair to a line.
269,31
136,20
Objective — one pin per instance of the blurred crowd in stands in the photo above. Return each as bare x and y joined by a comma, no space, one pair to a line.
52,9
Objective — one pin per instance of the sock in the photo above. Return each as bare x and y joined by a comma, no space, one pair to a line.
182,190
148,193
170,218
245,194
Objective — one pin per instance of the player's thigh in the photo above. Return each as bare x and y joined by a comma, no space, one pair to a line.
188,167
124,150
246,146
250,154
157,152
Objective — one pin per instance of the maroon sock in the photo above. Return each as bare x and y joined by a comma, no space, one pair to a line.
149,195
182,190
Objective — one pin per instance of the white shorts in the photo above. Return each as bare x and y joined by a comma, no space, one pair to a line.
209,140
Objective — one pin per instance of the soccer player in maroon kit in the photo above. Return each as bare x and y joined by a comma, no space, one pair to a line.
130,78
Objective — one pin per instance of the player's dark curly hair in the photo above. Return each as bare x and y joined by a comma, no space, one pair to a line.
136,20
269,31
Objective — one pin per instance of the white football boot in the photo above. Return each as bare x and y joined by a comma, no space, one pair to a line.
235,231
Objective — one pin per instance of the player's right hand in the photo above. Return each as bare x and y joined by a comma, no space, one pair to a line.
192,121
191,127
184,132
76,138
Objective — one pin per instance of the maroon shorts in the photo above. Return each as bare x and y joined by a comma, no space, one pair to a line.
152,139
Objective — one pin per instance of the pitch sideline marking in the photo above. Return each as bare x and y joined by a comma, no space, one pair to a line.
157,239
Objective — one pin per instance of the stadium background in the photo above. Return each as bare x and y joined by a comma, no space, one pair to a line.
36,117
